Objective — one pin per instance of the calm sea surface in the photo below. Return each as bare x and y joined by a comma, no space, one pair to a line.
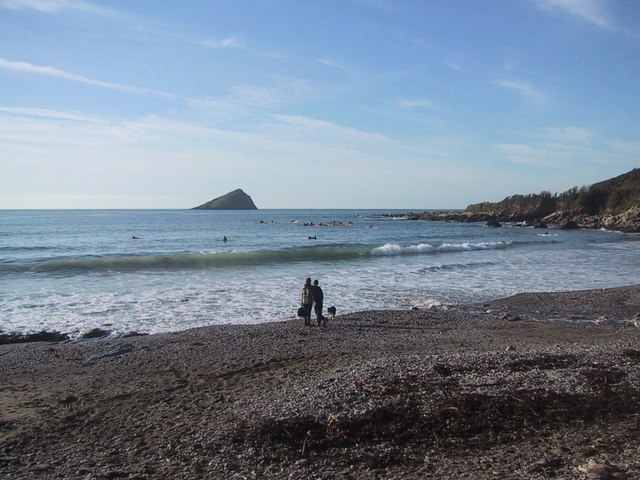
72,271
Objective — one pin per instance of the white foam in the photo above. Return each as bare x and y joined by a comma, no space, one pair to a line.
389,249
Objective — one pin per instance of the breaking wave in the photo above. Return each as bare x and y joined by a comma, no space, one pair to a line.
202,260
395,249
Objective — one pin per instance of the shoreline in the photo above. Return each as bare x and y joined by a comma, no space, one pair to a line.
536,385
7,338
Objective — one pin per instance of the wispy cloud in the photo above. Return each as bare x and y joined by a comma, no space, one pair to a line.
569,148
250,100
563,158
321,127
524,89
454,66
413,104
347,69
189,153
239,99
25,67
360,78
568,134
522,154
258,96
47,113
55,6
227,42
593,11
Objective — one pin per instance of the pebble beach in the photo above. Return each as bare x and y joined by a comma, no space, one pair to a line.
535,386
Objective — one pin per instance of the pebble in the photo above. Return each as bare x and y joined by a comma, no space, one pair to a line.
42,467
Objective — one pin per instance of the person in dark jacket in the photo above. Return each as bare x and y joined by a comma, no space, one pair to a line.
306,300
318,298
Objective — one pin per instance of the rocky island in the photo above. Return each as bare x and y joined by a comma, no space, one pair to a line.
236,200
612,204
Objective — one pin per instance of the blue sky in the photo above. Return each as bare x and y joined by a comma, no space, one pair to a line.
313,104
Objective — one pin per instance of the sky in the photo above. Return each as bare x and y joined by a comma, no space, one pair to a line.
382,104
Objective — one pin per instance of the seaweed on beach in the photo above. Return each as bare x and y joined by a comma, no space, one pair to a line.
632,355
602,378
542,362
465,420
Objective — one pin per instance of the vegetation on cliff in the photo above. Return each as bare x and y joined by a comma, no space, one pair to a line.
613,196
236,200
612,204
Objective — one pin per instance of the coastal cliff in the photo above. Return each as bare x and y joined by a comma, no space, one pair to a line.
236,200
613,204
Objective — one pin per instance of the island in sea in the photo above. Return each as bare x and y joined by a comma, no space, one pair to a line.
236,200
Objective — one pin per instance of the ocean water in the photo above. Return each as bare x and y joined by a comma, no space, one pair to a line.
72,271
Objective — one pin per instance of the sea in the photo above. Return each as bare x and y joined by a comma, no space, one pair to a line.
150,271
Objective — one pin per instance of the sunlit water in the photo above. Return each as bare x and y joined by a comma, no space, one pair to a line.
72,271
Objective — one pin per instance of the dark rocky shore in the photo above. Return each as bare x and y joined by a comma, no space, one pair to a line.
612,204
628,221
540,385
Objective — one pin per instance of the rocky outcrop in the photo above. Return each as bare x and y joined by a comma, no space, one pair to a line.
43,336
491,219
627,221
613,204
450,216
236,200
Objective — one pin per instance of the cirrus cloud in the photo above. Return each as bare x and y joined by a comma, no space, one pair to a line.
48,71
55,6
592,11
524,89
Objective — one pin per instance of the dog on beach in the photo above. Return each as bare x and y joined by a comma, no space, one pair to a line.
332,312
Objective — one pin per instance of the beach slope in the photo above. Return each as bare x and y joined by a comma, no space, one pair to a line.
540,385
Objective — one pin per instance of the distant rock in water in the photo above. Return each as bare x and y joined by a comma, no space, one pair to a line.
236,200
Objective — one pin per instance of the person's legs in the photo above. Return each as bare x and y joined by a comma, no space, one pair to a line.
318,309
307,315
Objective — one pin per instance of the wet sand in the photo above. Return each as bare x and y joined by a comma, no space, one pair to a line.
540,385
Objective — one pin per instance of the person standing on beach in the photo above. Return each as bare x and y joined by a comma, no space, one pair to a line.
318,298
307,301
